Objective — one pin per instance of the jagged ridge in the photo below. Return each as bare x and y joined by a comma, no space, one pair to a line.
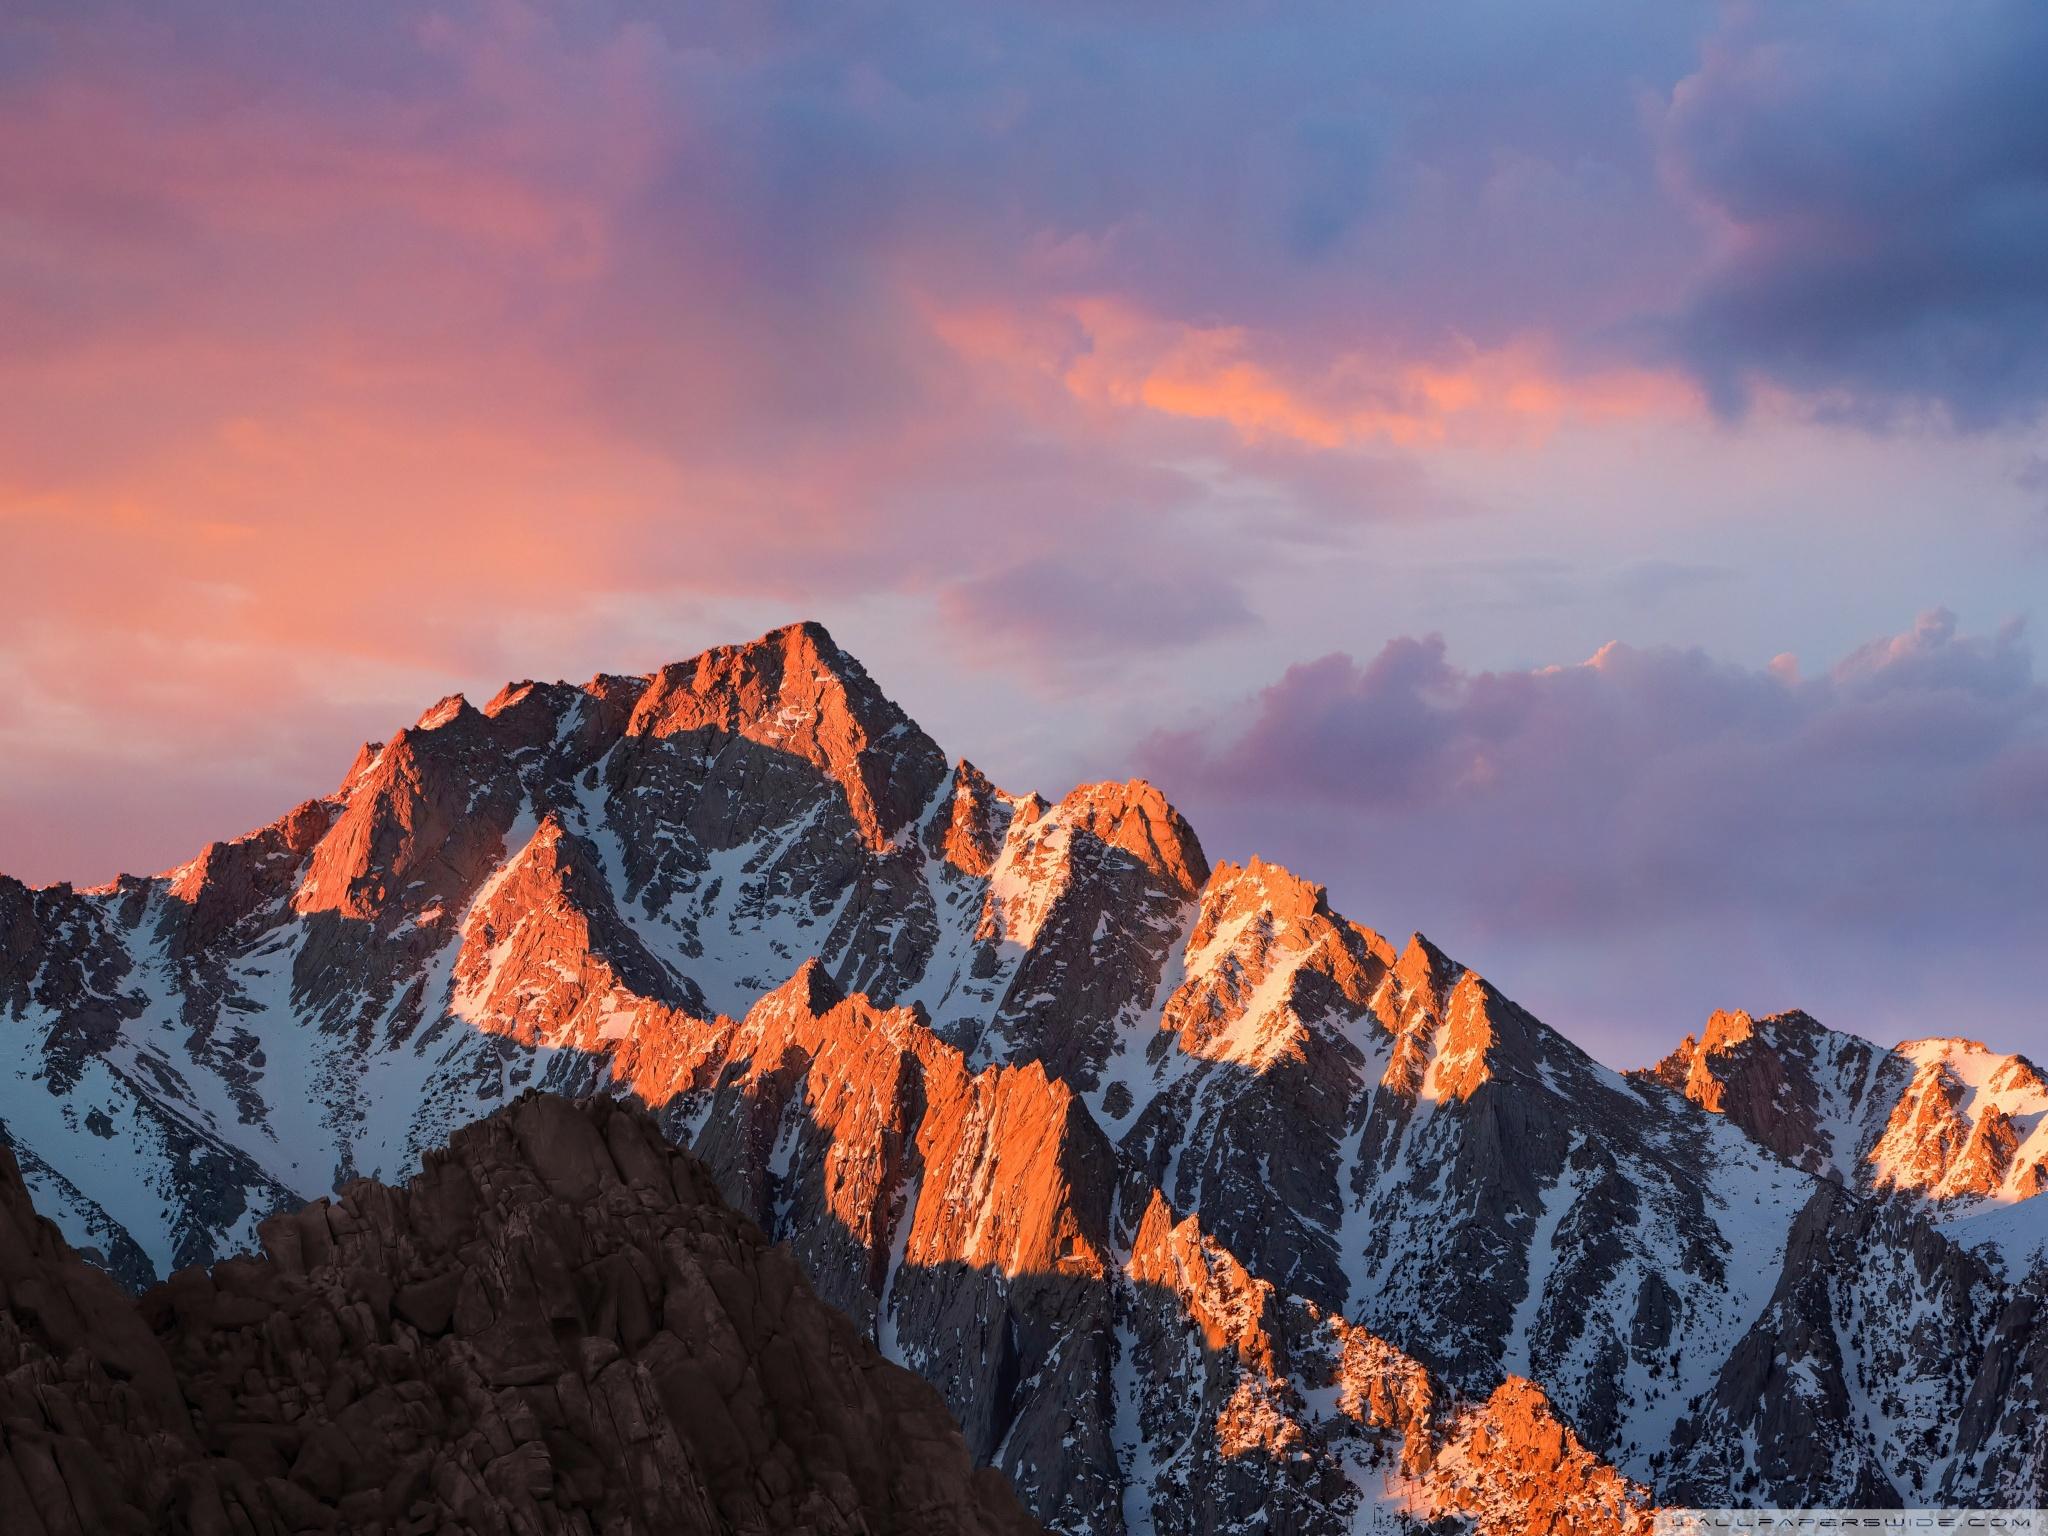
1027,1021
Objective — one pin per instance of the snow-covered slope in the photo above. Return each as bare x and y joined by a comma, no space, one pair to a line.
983,1059
1957,1130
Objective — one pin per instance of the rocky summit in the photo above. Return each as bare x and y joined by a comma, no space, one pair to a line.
1201,1206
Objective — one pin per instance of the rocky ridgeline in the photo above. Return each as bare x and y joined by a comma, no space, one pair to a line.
557,1326
1948,1120
1065,1119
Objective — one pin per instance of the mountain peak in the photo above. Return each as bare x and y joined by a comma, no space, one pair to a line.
1944,1118
1972,1057
811,990
1725,1028
1268,962
443,712
365,760
1288,894
1421,968
1964,1126
975,817
512,695
795,690
1134,816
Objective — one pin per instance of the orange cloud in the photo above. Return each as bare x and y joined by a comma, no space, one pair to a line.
335,388
1109,353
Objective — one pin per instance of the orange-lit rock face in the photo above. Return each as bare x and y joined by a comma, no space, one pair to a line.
1971,1125
879,1100
1059,858
544,959
422,825
978,821
1441,1018
1254,1423
230,884
1725,1031
1385,1391
1985,1164
869,1093
797,693
1222,1298
1209,1386
1187,1193
2029,1179
1504,1462
1136,818
1927,1131
1516,1471
1789,1083
1057,921
1945,1120
1461,1060
1265,957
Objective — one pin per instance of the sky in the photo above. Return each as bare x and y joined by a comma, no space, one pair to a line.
1571,479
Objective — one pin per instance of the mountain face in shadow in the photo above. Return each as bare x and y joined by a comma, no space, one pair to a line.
1192,1197
558,1325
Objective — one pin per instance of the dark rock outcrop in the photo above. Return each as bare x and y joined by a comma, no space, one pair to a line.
557,1326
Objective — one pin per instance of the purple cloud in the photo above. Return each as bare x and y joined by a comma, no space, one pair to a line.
357,357
1880,173
1654,824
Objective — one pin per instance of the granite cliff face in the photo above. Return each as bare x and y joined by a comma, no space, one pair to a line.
1192,1197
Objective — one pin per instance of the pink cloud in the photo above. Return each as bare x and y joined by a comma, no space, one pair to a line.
355,354
1109,354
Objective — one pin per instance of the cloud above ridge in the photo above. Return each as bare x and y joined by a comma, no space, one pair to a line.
356,356
1659,824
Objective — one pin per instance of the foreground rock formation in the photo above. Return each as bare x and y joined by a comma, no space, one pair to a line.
981,1058
557,1326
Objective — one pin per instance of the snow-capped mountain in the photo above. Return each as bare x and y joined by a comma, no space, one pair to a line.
1193,1198
1955,1128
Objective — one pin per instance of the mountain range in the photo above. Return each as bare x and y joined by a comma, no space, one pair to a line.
1202,1206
